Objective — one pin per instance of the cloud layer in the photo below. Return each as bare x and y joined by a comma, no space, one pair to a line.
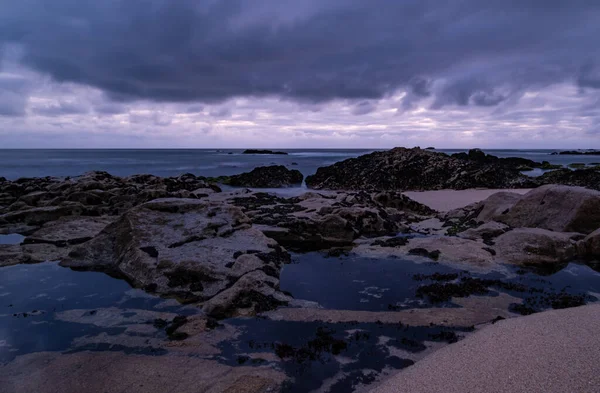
423,60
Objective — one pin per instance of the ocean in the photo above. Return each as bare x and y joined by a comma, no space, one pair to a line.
16,163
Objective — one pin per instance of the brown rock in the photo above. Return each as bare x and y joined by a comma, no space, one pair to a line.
535,246
556,208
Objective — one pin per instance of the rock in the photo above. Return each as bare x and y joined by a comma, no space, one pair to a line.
68,231
275,176
315,222
578,153
255,151
186,248
590,246
33,198
414,169
556,208
535,246
589,177
41,215
400,201
518,163
30,253
486,231
444,249
35,201
253,293
489,209
454,250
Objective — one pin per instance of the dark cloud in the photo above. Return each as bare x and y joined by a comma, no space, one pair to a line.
191,50
364,107
221,112
14,95
466,92
589,76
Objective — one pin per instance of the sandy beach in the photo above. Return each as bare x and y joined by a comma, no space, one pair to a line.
446,200
551,352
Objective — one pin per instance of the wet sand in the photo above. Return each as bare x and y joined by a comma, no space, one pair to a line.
445,200
550,352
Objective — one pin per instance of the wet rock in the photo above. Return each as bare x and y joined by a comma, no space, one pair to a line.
266,177
391,242
536,246
185,248
556,208
313,221
414,169
30,253
435,254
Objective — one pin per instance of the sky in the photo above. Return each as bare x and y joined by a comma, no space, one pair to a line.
299,73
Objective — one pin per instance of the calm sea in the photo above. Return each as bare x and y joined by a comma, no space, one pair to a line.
204,162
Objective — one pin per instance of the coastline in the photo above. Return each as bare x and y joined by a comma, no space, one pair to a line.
315,276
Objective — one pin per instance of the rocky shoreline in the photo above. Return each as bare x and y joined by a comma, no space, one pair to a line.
222,252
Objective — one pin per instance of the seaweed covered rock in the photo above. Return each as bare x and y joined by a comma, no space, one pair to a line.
415,169
313,221
38,200
195,251
275,176
588,177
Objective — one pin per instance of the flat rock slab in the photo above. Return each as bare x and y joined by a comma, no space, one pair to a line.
550,352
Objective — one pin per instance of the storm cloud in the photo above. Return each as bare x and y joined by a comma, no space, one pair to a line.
316,51
344,73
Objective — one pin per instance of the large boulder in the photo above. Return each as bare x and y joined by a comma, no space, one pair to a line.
195,251
536,246
556,208
489,209
275,176
415,169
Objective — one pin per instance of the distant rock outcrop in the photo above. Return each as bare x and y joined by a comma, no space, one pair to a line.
577,153
275,176
417,169
256,151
